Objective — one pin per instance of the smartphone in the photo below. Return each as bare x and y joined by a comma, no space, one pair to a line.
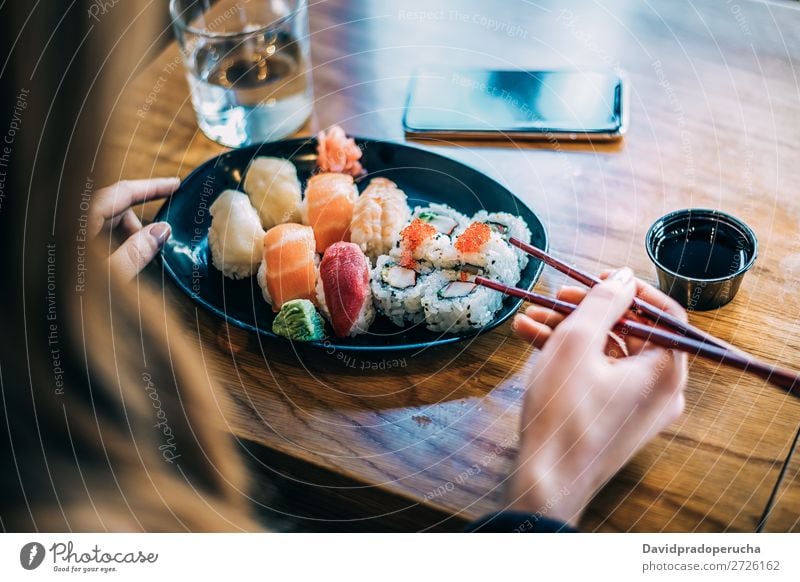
542,105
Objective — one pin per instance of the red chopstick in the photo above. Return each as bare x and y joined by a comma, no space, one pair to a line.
654,314
781,377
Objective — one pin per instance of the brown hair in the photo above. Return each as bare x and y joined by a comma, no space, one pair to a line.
108,422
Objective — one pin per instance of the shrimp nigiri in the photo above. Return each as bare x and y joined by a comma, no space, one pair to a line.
378,217
288,270
328,208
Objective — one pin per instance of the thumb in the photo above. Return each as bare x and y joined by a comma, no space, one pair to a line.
605,304
139,249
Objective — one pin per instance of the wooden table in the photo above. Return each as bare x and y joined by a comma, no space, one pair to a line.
714,124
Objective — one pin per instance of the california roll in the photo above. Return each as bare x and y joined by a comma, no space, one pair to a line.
398,290
482,251
455,306
507,226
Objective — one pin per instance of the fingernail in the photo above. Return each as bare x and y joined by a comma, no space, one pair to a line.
160,232
622,276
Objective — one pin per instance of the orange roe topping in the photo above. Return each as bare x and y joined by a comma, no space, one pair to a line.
472,239
413,236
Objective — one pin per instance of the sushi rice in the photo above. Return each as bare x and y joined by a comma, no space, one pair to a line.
397,291
261,278
495,259
437,251
507,226
455,306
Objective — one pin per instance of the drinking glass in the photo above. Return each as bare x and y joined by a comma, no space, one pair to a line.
247,62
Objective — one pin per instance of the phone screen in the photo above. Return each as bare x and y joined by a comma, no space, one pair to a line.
483,101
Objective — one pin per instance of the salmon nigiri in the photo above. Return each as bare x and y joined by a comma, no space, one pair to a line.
328,208
287,270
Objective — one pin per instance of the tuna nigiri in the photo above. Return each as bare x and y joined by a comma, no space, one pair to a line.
343,291
288,271
328,208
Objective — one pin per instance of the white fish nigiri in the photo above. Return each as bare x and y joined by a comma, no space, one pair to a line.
236,238
274,190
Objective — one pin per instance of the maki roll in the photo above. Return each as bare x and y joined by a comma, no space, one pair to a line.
299,321
343,292
508,225
444,219
454,306
235,236
379,215
422,246
483,251
398,290
274,190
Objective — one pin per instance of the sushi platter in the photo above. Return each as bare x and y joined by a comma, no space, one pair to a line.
348,243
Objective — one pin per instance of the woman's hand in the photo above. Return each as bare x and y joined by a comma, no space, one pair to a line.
111,212
586,413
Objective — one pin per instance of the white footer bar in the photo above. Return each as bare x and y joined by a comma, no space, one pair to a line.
406,557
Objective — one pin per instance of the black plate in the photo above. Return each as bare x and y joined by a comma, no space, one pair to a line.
424,176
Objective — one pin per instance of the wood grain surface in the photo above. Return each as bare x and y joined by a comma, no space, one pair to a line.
714,109
782,514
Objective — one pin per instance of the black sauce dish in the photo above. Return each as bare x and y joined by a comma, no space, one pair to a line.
701,256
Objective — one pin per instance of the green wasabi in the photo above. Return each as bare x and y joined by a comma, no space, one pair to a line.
299,321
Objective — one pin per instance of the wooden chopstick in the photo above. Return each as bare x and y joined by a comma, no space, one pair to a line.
654,314
781,377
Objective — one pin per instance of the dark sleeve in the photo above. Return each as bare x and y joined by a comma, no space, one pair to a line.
518,522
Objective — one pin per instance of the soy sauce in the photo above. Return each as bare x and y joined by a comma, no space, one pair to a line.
703,250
